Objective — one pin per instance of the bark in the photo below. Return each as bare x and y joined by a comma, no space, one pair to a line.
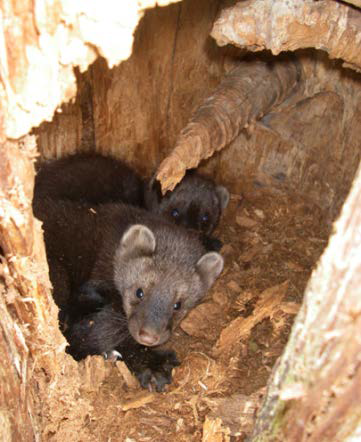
39,393
314,393
40,45
245,94
280,25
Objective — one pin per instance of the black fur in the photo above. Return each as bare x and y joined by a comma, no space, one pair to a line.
90,178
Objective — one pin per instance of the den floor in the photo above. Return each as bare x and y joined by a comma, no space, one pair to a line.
229,344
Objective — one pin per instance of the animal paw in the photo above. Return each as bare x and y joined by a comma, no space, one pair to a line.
158,371
211,244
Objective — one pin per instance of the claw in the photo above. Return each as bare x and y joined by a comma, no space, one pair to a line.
112,356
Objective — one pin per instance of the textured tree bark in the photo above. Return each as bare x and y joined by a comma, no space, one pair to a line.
280,25
41,42
32,347
245,94
314,393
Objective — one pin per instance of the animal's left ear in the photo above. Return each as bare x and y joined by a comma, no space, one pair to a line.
223,196
210,267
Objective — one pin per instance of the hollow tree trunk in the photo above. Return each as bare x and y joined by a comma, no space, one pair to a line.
314,393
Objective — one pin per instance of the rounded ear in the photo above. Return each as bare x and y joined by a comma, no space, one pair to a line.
223,196
138,240
210,267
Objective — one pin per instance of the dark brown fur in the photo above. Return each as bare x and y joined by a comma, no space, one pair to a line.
90,178
196,202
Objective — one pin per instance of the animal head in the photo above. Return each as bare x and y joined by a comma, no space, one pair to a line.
159,288
196,202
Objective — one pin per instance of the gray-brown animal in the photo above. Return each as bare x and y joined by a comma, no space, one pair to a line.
149,272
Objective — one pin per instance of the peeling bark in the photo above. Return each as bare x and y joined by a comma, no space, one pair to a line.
39,382
280,25
321,364
41,42
245,94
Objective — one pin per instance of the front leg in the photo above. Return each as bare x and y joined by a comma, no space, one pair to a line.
153,368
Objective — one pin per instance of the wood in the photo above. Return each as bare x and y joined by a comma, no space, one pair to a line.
33,366
233,106
321,362
40,46
40,386
280,25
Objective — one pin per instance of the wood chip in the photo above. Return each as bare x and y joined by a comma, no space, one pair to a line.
291,308
214,432
295,267
259,213
232,285
128,377
138,400
199,320
238,411
240,328
245,221
222,299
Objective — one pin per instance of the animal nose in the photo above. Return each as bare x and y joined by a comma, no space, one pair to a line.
148,338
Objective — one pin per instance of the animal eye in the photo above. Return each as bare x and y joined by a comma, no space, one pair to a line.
139,293
177,305
205,218
175,213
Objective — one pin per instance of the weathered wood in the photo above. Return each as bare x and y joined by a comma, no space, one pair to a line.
39,46
314,393
281,25
245,94
33,365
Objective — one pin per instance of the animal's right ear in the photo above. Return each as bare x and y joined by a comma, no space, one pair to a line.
138,240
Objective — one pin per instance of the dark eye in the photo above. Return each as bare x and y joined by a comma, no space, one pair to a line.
175,213
177,305
139,293
205,218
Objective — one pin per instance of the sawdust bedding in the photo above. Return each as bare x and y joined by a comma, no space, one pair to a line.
229,344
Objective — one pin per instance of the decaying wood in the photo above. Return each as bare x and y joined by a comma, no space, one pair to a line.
238,412
21,242
138,400
315,391
34,370
267,306
40,45
245,94
356,3
130,380
281,25
214,432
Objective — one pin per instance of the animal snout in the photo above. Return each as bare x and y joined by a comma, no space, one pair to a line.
147,337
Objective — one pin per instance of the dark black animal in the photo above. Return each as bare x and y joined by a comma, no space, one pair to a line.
196,202
89,178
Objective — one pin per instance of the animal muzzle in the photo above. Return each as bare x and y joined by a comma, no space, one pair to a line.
149,334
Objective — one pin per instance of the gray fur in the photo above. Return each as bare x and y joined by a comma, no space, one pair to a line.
127,248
